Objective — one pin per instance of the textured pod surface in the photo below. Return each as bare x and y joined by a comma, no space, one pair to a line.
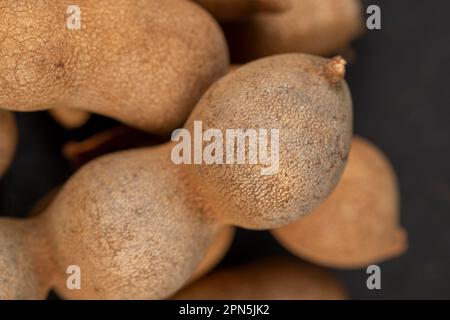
133,233
321,27
143,62
20,276
358,224
8,139
216,251
307,100
276,279
138,225
70,118
239,9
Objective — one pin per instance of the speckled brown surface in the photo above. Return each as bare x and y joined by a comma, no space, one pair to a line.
138,225
320,27
8,139
226,10
359,223
21,275
134,233
276,278
299,95
143,62
217,250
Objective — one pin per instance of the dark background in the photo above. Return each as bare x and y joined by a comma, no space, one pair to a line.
400,83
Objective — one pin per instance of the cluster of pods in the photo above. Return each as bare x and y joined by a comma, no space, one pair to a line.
138,225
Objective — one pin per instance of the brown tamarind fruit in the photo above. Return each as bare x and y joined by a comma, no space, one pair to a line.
321,27
216,252
267,279
142,62
359,223
8,139
138,223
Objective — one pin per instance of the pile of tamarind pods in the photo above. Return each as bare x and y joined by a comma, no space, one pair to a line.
140,226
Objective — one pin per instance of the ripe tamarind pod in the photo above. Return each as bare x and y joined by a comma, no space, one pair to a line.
8,139
321,27
142,62
216,252
70,118
269,279
358,224
138,224
303,96
225,10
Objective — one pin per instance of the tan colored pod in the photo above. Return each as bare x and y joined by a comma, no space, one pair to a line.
216,252
70,118
270,279
305,98
230,10
142,62
8,139
138,225
321,27
358,224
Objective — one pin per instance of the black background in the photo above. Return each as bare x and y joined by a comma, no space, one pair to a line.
400,84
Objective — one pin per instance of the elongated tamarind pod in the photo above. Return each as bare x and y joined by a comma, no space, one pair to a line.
321,27
138,223
270,279
231,10
143,62
70,118
8,139
358,224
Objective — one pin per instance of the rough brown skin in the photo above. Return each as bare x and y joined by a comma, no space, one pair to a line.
138,225
270,279
143,62
304,97
231,10
216,252
8,139
321,27
358,224
70,118
22,276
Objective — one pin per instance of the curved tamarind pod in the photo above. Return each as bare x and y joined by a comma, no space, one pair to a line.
138,225
8,139
142,62
70,118
307,100
216,252
226,10
275,279
358,224
136,235
320,27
